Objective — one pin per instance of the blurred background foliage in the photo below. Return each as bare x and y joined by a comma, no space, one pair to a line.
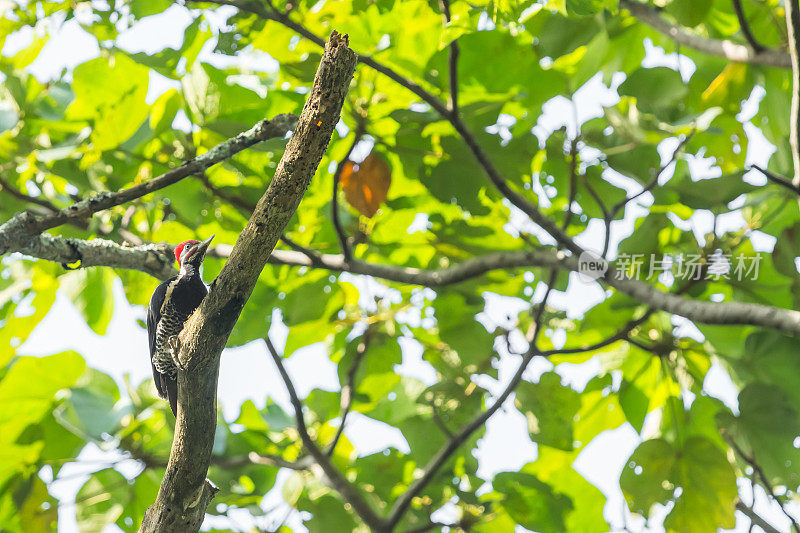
414,196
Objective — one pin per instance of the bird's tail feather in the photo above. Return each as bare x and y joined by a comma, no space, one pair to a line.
171,385
167,388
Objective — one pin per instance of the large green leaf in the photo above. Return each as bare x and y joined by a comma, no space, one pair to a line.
695,476
654,87
31,384
532,503
110,92
109,498
90,290
550,408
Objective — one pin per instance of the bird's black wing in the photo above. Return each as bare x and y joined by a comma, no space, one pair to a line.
153,317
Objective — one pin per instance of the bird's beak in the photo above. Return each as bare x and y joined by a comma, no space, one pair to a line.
203,246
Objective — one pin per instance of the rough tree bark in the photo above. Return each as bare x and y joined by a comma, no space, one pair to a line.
185,493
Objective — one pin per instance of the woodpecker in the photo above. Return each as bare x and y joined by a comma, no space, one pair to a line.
171,305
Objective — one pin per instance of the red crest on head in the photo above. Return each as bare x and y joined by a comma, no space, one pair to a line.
180,247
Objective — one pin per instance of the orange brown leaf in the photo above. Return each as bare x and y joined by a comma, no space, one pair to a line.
366,184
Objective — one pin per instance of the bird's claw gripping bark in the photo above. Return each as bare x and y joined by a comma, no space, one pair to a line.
174,344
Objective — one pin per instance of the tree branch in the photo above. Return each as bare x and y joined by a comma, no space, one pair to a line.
465,432
237,461
793,30
455,51
246,208
759,473
516,198
778,179
348,491
750,513
348,390
719,47
29,224
13,191
745,27
706,312
654,181
154,259
184,492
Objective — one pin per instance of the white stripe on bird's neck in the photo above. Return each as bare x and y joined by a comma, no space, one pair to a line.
187,270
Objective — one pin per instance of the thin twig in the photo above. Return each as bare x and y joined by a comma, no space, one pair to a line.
348,491
745,27
437,419
444,5
344,241
454,443
313,255
750,513
759,472
19,195
778,179
654,180
348,391
622,334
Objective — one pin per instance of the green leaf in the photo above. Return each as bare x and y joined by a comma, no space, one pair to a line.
91,410
550,409
714,193
786,251
329,515
655,87
457,327
452,180
589,7
145,8
532,503
110,92
554,467
109,498
642,479
689,12
696,476
639,162
635,403
31,384
90,289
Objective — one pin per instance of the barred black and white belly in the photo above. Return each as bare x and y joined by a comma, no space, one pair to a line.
171,324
